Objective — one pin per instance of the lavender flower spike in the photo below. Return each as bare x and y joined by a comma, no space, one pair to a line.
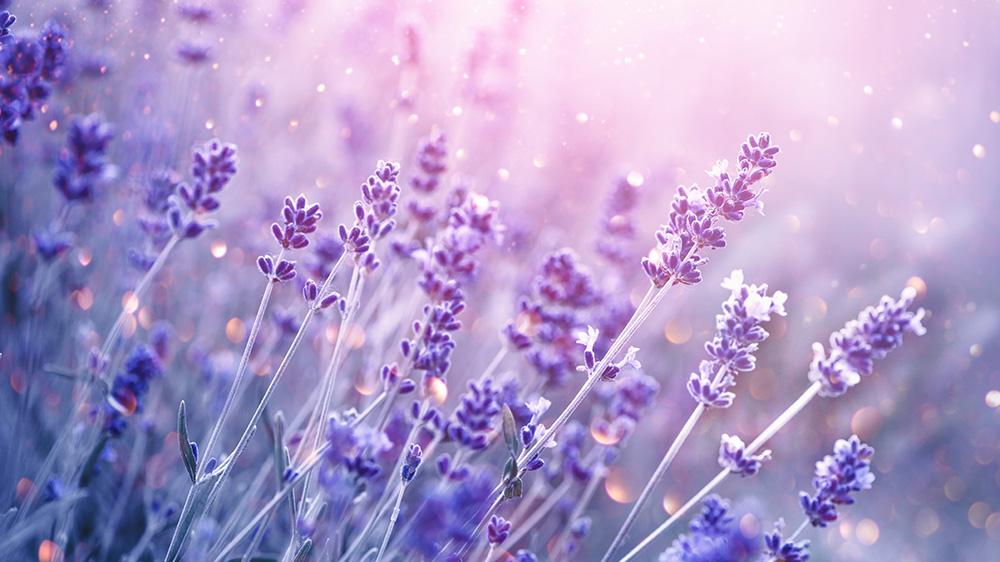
854,348
777,549
737,337
734,457
846,471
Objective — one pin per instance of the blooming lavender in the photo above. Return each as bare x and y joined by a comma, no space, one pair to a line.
737,337
212,169
617,223
777,549
693,224
29,66
734,457
129,389
83,164
854,348
549,317
838,476
713,536
497,530
374,214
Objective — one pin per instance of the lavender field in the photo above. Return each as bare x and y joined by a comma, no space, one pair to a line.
499,281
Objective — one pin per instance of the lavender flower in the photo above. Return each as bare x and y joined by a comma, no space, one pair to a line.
28,66
776,549
475,416
714,536
129,388
497,530
432,154
693,223
6,21
737,337
550,316
854,348
846,471
212,168
373,214
733,456
83,164
299,220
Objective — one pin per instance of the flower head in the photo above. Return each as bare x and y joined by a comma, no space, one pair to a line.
855,347
838,476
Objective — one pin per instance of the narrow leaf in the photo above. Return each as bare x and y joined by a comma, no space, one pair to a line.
510,434
303,553
187,453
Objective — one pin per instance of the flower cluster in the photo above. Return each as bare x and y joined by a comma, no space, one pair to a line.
777,549
846,471
738,334
855,347
28,69
129,388
734,457
212,168
562,296
475,416
300,219
432,156
352,447
156,193
713,535
83,164
374,214
693,223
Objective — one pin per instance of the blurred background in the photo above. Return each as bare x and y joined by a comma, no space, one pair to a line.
888,115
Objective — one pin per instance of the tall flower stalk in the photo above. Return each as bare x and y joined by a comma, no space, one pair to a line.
693,228
852,355
731,353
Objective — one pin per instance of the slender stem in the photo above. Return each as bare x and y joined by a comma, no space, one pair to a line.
180,535
536,517
798,531
654,481
596,476
489,553
764,436
237,384
382,501
392,523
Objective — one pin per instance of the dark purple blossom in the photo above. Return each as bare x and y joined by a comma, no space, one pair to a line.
432,155
713,536
476,415
212,168
414,455
129,389
776,549
558,306
497,530
734,457
83,164
300,219
838,476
